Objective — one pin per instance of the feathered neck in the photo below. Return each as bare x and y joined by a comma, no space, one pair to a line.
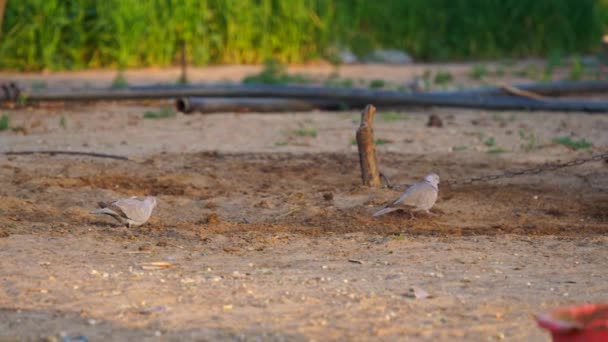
432,184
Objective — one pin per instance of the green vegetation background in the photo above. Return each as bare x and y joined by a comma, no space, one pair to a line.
79,34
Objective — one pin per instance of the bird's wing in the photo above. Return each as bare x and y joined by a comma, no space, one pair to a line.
110,208
132,208
408,198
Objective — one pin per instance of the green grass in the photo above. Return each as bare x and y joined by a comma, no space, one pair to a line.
119,81
377,84
281,143
4,122
503,120
392,116
532,71
443,77
478,72
60,35
163,113
337,82
490,142
305,132
499,71
576,69
529,139
573,144
459,148
275,73
554,60
63,122
496,150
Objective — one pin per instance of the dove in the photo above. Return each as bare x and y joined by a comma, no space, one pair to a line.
420,196
131,211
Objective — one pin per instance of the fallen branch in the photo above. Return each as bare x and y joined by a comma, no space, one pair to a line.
367,148
53,152
519,92
558,88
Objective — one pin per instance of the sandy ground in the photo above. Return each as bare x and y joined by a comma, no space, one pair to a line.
269,235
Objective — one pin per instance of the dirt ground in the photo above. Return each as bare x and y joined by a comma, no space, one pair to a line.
268,233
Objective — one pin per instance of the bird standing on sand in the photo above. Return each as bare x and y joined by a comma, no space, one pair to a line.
131,212
420,196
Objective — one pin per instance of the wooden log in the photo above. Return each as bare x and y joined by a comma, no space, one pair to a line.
367,148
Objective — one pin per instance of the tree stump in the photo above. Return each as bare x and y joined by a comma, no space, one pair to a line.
367,148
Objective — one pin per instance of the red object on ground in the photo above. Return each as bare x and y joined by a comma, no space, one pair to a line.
585,323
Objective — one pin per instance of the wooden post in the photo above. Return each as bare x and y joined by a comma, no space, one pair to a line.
2,7
367,148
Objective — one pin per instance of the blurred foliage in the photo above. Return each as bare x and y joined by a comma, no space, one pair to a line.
77,34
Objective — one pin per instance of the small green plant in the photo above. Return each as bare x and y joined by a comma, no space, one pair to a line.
377,84
4,122
38,84
501,119
498,117
22,100
529,140
305,132
392,116
500,71
478,72
63,122
399,237
531,71
443,77
554,61
163,113
120,81
337,82
576,69
427,79
573,144
496,150
490,142
281,143
275,73
459,148
19,129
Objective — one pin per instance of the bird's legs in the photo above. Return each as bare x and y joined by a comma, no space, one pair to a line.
431,214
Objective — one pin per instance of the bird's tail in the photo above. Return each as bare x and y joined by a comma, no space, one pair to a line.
106,211
384,211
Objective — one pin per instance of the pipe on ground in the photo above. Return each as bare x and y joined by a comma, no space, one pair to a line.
189,105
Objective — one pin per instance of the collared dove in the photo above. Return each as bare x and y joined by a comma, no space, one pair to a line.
131,212
420,196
